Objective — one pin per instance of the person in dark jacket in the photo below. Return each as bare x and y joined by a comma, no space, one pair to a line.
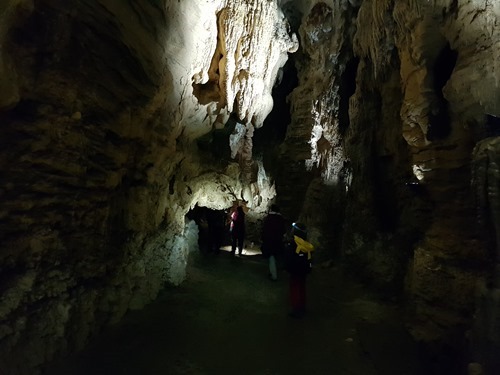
298,264
273,229
237,230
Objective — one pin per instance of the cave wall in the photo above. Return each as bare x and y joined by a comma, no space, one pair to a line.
104,128
114,124
86,155
312,186
395,171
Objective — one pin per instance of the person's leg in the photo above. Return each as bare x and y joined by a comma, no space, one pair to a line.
297,295
220,240
234,240
302,295
272,268
210,239
294,294
240,244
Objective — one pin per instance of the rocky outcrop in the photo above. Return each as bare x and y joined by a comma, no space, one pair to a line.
420,79
312,186
114,125
485,334
104,151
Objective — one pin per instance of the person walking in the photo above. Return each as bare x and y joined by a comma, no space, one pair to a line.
298,264
237,229
273,229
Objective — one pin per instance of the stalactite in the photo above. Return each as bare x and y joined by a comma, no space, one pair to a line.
254,42
374,38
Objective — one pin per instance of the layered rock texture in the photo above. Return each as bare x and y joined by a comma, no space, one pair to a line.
393,96
115,121
117,118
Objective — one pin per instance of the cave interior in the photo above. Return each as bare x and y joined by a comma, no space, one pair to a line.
129,130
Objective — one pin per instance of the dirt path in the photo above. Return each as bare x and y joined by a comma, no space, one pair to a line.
228,318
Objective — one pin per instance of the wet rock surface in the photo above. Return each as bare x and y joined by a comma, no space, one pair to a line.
229,318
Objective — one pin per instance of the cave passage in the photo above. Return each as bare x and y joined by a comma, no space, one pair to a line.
276,123
491,126
212,228
214,236
439,120
128,128
347,89
229,318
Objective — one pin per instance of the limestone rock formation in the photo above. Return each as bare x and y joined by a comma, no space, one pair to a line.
393,166
112,129
118,118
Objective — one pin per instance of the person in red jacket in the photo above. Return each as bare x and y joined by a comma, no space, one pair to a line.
273,229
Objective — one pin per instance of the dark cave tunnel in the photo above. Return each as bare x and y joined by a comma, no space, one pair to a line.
347,89
212,226
276,123
439,119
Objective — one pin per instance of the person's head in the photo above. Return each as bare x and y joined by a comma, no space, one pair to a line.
240,209
299,230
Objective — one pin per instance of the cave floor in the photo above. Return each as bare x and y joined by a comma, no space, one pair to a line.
229,318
